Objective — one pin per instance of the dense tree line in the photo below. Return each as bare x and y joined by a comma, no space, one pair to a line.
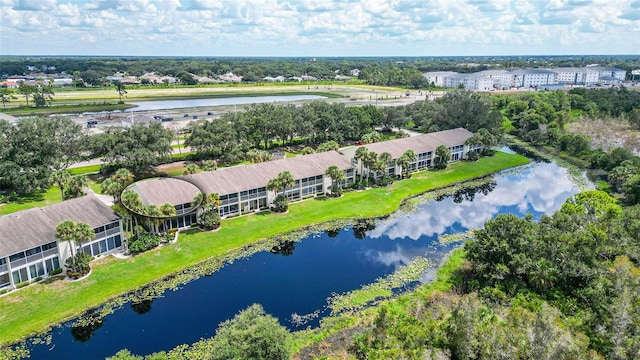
459,108
397,71
233,134
541,117
35,152
32,149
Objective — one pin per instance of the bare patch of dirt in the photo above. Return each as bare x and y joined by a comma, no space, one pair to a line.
173,167
607,134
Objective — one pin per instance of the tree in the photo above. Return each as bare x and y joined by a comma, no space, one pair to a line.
308,150
328,146
443,155
386,157
251,334
283,181
405,160
369,160
258,156
210,216
370,138
620,174
43,95
6,95
60,178
116,184
76,234
190,169
631,189
120,88
34,147
26,90
336,176
75,187
361,153
136,148
217,137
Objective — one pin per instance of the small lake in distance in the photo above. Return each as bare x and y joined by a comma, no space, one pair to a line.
315,268
190,103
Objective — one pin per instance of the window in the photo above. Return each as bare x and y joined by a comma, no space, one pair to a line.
34,251
112,225
20,276
51,245
17,256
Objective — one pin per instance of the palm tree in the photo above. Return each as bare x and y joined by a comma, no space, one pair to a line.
386,158
408,157
370,160
378,166
213,201
131,200
191,169
76,234
283,181
336,176
84,232
124,177
111,187
361,153
404,163
76,186
443,155
60,178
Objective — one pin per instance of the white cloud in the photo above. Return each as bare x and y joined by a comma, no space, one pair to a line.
326,27
542,188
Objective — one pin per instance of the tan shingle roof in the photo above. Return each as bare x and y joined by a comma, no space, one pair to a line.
419,144
165,190
29,228
246,177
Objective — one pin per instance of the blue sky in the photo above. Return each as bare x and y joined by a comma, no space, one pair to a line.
319,27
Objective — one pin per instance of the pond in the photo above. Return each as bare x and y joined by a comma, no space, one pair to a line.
190,103
300,278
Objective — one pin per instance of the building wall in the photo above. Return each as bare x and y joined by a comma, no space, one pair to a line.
424,161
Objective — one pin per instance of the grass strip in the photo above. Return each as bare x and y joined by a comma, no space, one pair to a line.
35,308
35,199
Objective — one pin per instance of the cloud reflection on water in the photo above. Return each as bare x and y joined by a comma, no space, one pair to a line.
540,188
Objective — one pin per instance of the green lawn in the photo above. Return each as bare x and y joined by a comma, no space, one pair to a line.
34,308
36,199
83,170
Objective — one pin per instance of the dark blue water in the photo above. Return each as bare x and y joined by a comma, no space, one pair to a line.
319,266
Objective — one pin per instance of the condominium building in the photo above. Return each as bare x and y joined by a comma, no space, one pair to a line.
29,248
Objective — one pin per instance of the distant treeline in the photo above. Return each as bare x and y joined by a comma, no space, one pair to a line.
393,71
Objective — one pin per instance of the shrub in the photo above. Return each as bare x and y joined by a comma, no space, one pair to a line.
209,220
472,156
78,265
22,284
385,180
336,191
143,242
4,291
55,272
281,204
